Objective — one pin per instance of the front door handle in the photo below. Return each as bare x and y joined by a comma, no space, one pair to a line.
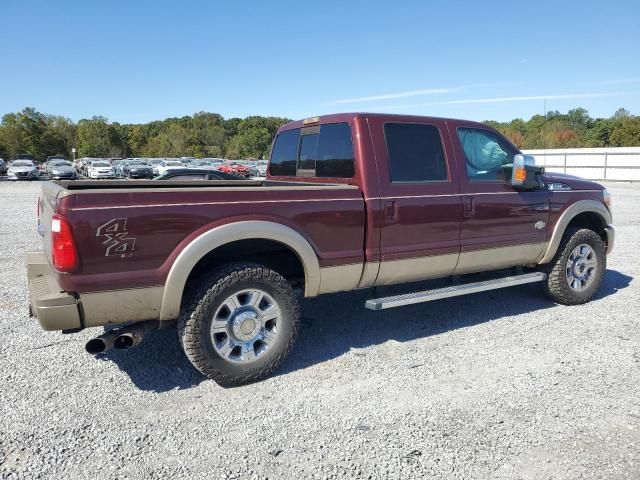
469,207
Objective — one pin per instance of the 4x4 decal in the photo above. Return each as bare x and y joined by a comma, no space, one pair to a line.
116,238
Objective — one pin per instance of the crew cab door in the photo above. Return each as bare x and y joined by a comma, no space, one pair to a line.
501,226
421,205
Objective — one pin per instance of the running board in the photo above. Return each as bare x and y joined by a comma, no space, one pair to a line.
454,291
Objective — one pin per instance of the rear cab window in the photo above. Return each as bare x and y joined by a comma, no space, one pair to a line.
316,151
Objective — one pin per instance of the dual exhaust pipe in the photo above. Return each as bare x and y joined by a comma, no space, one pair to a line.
122,338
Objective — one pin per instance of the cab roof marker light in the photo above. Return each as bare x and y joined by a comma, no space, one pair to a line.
309,121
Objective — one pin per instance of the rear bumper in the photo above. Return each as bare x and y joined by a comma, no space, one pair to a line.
611,237
59,310
54,309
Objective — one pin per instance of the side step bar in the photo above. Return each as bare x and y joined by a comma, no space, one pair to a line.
454,291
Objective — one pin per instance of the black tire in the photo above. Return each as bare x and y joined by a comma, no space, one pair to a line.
557,286
200,305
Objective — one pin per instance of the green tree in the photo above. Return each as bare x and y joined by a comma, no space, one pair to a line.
94,138
249,143
60,135
599,134
626,133
23,132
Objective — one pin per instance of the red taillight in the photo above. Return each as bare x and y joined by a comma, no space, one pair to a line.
63,248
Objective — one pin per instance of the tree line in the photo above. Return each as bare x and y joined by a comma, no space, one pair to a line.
207,134
203,134
574,129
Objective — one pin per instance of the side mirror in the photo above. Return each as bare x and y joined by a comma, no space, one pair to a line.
525,173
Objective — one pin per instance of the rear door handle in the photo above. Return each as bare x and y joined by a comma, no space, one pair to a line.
391,210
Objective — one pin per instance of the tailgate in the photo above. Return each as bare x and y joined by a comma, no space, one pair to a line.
47,202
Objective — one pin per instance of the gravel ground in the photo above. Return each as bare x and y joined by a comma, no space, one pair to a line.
497,385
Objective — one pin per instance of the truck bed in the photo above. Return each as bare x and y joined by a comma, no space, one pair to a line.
155,220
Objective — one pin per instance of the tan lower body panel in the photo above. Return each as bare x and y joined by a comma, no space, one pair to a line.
415,269
340,278
118,306
496,258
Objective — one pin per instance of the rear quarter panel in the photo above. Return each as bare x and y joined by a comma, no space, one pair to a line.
155,226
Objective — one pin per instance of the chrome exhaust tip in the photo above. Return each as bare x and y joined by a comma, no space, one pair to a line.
102,343
132,335
123,338
126,341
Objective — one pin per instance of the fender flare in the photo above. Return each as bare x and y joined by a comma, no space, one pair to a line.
581,206
231,232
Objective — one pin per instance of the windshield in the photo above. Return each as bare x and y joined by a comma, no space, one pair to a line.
22,163
155,162
100,164
138,164
60,163
173,164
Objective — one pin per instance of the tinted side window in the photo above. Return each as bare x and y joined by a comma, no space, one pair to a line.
285,154
335,151
415,153
485,154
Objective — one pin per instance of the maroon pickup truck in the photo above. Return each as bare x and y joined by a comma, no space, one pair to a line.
351,201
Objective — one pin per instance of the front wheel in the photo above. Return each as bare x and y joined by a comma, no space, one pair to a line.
575,273
239,324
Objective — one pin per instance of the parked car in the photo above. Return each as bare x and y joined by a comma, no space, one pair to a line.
235,168
50,159
137,169
155,163
84,163
357,201
3,167
167,165
261,166
100,169
199,173
118,167
252,168
61,170
55,157
23,170
77,165
115,164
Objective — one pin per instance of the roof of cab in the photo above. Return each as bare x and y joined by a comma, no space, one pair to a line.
350,116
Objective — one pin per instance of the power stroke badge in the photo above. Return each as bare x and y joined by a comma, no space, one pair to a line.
117,241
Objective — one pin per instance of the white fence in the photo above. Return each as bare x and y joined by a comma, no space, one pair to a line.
615,163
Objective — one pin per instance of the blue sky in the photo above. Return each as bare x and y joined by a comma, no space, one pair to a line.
143,60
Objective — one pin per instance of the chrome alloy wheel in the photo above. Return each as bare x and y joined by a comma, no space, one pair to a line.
581,267
245,325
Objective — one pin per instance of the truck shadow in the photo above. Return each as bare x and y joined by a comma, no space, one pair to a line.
332,325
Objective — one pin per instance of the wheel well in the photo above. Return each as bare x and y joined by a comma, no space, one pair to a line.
590,220
269,253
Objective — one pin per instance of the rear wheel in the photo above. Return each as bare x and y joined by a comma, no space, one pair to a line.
239,324
575,274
